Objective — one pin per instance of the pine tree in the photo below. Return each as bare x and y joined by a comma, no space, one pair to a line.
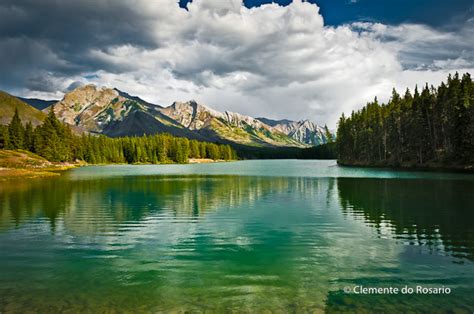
213,151
29,137
194,149
328,135
16,132
4,137
203,150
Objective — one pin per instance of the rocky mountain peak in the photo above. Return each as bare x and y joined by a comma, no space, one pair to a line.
191,114
308,124
241,120
91,107
303,131
87,95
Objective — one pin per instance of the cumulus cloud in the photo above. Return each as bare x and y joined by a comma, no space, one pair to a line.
274,61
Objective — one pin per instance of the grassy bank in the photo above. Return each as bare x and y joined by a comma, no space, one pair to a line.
24,164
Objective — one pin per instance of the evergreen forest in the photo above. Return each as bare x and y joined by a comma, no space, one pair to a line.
56,142
432,128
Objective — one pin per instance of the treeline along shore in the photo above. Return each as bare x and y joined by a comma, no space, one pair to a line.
56,143
431,129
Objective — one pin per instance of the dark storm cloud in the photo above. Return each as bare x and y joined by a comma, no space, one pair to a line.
278,59
72,24
55,36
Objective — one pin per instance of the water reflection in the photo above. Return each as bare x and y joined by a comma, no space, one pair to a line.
132,199
223,243
252,242
438,214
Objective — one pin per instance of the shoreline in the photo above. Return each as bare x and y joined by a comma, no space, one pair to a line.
191,161
25,173
206,160
21,164
424,168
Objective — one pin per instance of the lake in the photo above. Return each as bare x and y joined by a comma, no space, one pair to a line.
282,235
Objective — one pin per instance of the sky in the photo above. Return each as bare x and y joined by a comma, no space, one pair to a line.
283,59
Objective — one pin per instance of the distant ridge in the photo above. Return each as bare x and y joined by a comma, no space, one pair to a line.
38,103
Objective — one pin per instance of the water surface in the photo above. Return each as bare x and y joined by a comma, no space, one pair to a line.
246,236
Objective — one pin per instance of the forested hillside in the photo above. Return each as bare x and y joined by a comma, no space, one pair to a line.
432,128
55,142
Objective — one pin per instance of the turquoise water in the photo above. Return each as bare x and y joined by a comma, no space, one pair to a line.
247,236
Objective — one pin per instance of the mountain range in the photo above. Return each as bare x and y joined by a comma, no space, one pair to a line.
114,113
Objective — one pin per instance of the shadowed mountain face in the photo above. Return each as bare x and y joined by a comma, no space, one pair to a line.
139,123
39,104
